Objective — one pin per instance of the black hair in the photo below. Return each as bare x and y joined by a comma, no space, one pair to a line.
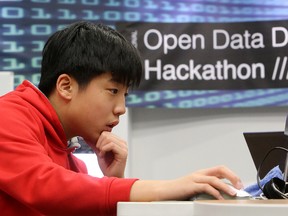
85,50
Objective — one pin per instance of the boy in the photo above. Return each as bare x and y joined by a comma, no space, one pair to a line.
86,72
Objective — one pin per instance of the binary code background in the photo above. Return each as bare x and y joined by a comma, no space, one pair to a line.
26,25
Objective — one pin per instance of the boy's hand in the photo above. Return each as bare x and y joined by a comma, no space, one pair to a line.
112,154
207,181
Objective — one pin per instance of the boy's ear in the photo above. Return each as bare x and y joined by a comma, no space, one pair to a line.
64,86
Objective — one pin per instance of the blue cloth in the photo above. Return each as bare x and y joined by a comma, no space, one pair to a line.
254,189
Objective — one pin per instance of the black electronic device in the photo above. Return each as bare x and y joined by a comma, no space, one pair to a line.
260,143
269,149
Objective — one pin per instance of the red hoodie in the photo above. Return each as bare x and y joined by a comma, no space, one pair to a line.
38,173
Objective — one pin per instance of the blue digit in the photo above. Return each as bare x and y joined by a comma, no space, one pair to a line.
211,9
67,1
13,64
41,29
132,16
12,12
167,18
40,14
167,6
66,14
39,46
150,17
36,62
197,8
12,47
41,1
150,4
183,7
12,30
133,99
113,3
92,2
152,96
90,15
182,18
132,3
112,15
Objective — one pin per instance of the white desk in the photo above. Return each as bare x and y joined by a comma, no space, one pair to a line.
165,208
205,208
241,208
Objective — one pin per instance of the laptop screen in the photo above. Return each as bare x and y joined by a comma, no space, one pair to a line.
260,143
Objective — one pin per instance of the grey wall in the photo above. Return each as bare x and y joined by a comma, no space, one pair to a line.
6,81
168,143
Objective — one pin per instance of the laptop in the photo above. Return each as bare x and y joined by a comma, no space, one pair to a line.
260,143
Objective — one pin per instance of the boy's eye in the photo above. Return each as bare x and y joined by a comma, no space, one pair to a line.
114,91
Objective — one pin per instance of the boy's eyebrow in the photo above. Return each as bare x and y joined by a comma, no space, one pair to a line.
113,80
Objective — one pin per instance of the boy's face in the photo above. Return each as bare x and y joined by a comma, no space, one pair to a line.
95,108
